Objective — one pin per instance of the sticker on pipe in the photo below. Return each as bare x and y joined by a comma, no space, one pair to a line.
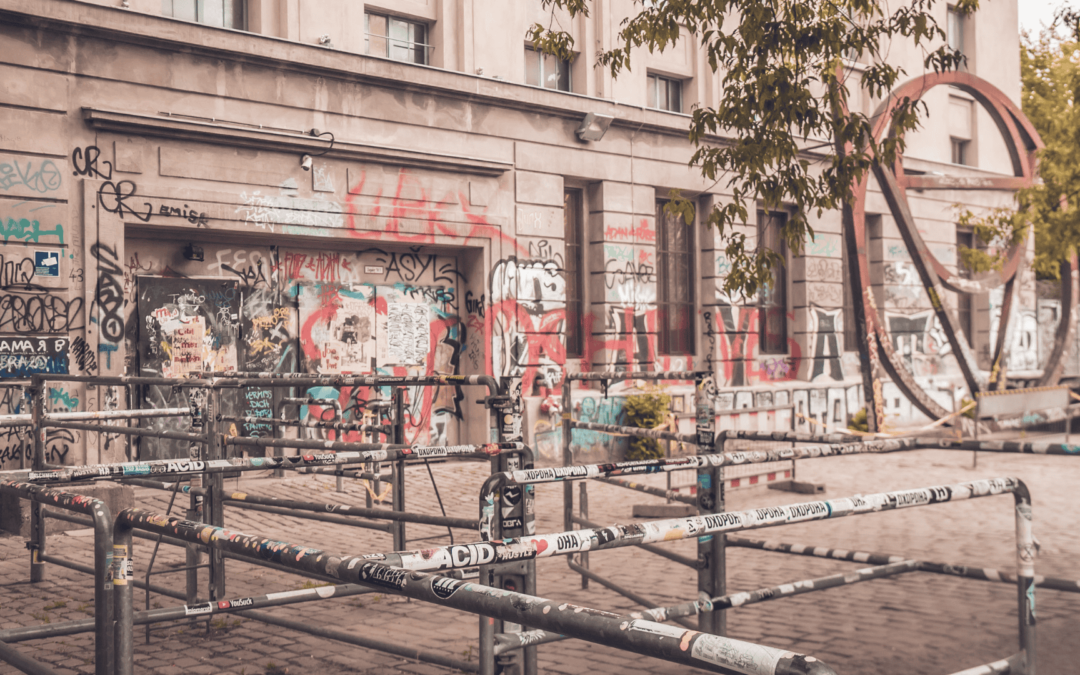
737,655
204,608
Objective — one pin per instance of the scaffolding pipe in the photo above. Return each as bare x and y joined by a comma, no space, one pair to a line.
509,642
103,535
981,573
645,637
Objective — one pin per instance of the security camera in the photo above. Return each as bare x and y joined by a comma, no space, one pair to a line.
305,162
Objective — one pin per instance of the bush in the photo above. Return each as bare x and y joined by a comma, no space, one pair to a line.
858,421
646,411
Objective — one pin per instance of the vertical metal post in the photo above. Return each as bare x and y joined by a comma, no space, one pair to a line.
215,505
397,485
37,513
487,645
123,582
974,453
567,410
104,645
1025,576
198,451
583,509
513,517
711,550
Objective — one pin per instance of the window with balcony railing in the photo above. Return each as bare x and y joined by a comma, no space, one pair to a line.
396,39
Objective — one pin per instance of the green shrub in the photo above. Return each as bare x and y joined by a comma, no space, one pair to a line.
646,411
858,421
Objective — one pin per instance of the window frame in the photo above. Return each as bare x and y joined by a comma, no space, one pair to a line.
780,281
965,302
955,23
669,341
541,58
652,92
574,271
958,151
412,46
240,9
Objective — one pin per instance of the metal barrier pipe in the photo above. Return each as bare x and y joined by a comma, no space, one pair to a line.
362,641
310,424
242,379
320,517
635,431
678,645
692,563
623,376
116,380
115,414
103,535
648,489
788,436
581,471
346,473
692,527
215,466
187,611
23,662
980,573
625,592
127,431
1025,447
1014,665
508,642
505,605
239,498
89,522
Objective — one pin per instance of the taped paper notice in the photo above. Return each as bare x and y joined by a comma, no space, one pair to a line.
408,333
741,656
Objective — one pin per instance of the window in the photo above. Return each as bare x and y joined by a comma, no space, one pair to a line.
221,13
674,282
545,70
396,39
954,29
966,239
959,150
665,93
574,272
851,334
772,301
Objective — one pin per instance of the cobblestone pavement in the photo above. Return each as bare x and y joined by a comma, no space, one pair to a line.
913,623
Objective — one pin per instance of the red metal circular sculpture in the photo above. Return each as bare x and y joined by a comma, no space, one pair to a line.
1022,142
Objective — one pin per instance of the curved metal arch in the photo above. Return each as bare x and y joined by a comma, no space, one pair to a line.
1022,141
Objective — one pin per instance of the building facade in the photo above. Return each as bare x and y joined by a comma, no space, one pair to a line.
339,186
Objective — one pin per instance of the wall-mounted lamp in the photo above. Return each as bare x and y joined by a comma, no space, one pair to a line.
593,127
306,160
193,252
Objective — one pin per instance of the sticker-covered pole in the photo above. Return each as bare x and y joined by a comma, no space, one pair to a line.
37,515
397,479
712,574
1025,575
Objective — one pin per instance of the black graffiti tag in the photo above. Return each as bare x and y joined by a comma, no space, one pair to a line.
83,355
86,163
113,198
40,314
17,273
109,299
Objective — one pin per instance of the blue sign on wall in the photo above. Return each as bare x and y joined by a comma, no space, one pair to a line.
47,263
